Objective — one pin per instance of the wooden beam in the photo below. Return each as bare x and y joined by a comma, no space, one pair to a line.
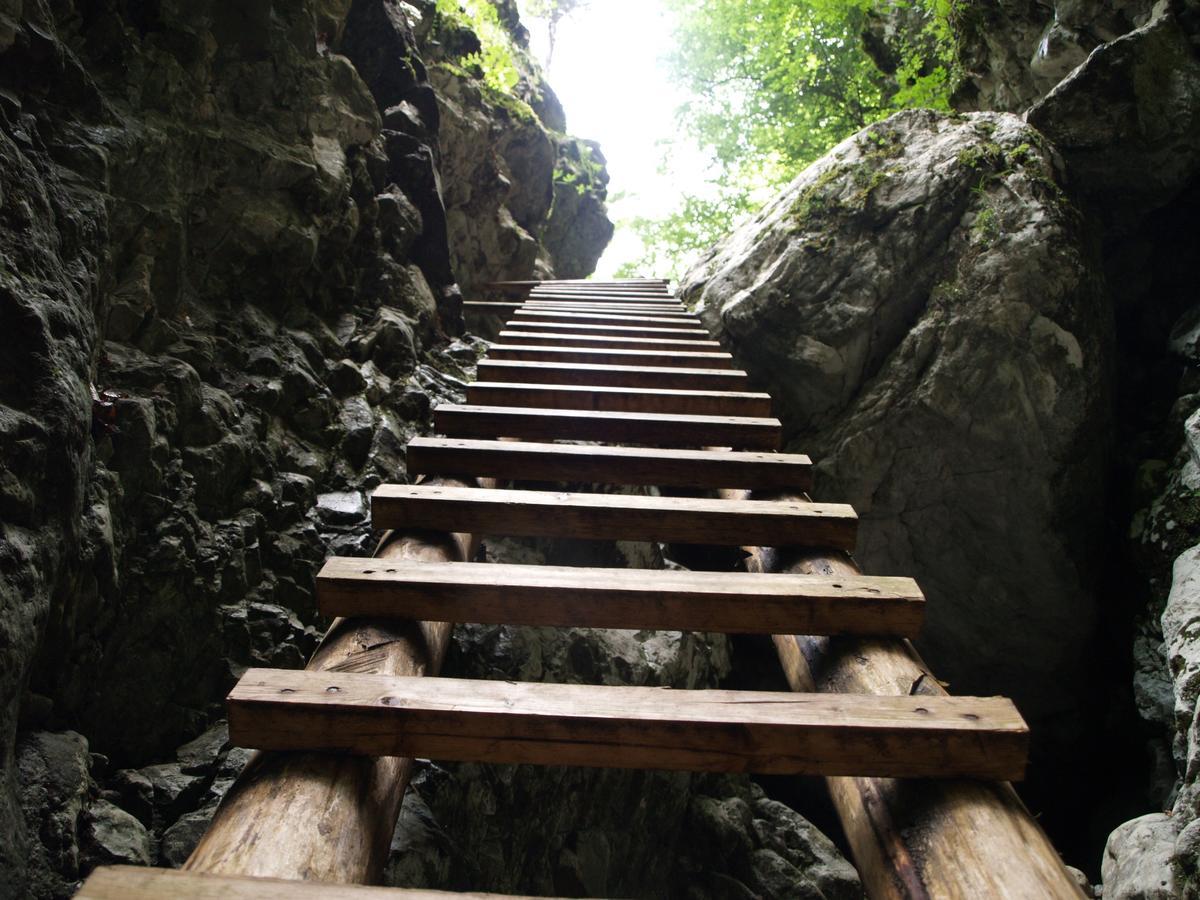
600,464
687,358
142,883
661,429
610,341
941,838
328,818
602,318
625,330
613,516
620,399
627,727
632,307
677,377
572,596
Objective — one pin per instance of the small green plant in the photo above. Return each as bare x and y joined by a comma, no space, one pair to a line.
495,56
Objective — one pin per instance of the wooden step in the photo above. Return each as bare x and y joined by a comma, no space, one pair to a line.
688,333
142,883
592,464
678,377
604,318
660,429
684,520
572,596
634,727
686,358
612,342
619,399
635,307
641,309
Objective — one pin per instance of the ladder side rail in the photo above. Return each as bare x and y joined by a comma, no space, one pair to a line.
324,816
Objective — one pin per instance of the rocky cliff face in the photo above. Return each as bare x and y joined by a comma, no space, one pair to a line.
230,257
976,322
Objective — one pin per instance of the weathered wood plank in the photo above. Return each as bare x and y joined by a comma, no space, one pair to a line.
620,399
566,596
612,342
628,727
602,318
532,461
661,429
613,516
626,330
630,307
945,838
323,817
677,377
597,356
141,883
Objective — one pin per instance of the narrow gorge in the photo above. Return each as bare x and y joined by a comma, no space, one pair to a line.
236,241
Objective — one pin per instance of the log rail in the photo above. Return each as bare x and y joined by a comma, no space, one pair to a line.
918,777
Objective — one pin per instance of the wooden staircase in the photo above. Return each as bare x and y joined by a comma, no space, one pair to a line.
622,364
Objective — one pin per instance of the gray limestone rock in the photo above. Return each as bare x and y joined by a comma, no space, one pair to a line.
1138,860
924,307
1128,122
112,836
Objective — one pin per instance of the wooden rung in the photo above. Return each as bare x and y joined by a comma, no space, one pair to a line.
685,358
592,464
611,342
619,399
572,596
520,371
142,883
579,308
604,318
685,520
633,727
633,308
661,429
610,304
624,330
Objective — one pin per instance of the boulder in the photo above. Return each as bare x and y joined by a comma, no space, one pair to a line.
923,305
1138,860
1127,122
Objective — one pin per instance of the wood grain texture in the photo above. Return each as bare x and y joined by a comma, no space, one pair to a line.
141,883
677,377
944,838
659,429
329,818
613,342
688,333
602,318
637,309
627,727
571,596
691,358
602,464
613,516
620,399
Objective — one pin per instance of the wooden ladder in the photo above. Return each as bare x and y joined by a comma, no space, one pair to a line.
622,364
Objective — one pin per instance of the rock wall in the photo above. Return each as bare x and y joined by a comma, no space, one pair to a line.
923,305
228,296
985,328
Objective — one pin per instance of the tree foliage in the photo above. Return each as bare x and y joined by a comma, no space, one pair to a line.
776,83
552,12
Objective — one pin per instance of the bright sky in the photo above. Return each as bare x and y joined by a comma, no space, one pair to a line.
607,73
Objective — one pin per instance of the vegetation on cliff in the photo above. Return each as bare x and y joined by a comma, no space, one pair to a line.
775,84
